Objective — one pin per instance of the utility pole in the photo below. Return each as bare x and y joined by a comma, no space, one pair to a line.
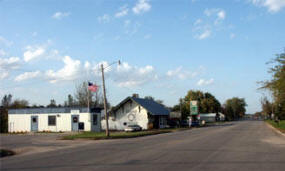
105,102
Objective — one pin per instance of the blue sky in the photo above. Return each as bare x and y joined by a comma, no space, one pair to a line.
166,47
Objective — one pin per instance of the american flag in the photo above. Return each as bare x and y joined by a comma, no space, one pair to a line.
92,87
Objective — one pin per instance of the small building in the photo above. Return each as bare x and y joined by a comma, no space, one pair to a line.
61,119
137,111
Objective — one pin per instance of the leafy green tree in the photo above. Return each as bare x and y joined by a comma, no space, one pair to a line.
276,85
206,101
234,108
267,107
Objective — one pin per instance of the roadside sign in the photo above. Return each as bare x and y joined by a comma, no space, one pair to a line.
194,107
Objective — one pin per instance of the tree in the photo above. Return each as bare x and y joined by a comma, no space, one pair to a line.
234,108
17,104
70,101
267,107
276,85
52,103
82,95
5,104
6,101
206,101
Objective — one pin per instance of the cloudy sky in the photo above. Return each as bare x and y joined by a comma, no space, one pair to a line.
166,47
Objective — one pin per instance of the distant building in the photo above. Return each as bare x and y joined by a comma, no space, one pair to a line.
54,119
134,110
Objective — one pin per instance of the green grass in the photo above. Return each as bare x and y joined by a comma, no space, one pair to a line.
281,126
115,135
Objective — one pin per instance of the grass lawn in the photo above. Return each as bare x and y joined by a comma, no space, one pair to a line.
114,135
281,126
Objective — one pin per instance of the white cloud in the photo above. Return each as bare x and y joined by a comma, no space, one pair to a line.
104,18
221,14
181,73
2,53
198,21
3,74
8,64
204,35
141,7
60,15
133,76
33,52
203,82
5,41
211,22
27,75
122,12
70,71
272,5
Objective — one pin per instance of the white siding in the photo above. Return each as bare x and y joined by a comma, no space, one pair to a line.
22,122
125,114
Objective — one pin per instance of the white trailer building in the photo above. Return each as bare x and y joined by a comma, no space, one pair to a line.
61,119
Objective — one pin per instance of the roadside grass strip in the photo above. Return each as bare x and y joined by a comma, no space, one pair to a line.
280,127
116,135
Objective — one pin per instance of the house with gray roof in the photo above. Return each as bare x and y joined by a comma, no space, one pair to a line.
133,110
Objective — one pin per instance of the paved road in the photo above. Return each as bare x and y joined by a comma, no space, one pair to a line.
246,145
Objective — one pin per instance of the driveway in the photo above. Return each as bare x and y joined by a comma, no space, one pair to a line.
245,145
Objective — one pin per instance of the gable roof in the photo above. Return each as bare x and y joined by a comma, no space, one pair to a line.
151,106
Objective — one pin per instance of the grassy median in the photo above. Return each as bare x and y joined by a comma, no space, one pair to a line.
280,127
114,135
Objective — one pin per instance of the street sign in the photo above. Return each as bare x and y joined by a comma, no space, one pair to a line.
194,107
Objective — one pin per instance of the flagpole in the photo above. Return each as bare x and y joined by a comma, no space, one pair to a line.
88,99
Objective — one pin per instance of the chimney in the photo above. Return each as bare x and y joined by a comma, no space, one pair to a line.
136,95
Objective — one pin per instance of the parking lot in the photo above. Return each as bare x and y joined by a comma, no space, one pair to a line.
39,142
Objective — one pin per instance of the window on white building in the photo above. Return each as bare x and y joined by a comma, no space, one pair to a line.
51,120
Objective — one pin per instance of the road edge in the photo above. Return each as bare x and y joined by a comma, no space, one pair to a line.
275,129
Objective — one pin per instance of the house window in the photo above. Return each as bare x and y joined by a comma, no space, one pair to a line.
34,120
94,119
139,109
51,120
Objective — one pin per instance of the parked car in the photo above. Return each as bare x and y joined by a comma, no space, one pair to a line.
133,128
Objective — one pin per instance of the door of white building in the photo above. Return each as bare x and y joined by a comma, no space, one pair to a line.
74,122
34,123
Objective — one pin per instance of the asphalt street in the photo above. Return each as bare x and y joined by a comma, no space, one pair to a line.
243,145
